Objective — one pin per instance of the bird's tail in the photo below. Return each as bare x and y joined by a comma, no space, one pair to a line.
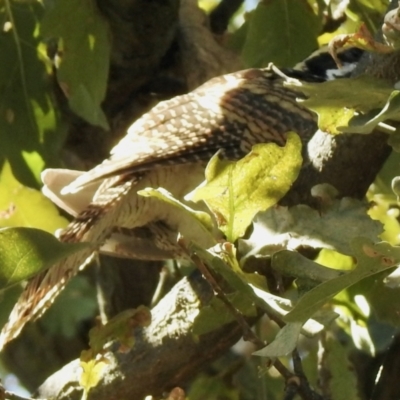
91,225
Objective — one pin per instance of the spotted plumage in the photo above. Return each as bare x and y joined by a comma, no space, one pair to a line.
167,147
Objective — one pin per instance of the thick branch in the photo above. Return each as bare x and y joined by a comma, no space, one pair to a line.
165,354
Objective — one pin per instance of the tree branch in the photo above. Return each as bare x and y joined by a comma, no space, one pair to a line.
165,354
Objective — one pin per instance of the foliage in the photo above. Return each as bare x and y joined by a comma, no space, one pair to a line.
324,300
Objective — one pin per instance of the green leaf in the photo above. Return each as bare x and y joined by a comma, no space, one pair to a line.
26,207
76,303
224,263
333,227
343,380
210,388
188,218
379,297
26,251
216,314
27,116
118,328
368,122
336,102
92,372
280,31
284,343
84,66
291,263
371,259
236,191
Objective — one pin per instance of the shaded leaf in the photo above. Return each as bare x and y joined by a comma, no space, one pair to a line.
83,71
27,117
291,263
379,297
216,314
334,227
209,388
280,306
26,251
118,328
236,191
336,102
76,303
280,31
284,343
368,122
371,259
343,380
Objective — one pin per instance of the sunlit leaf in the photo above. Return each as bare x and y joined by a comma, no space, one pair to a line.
236,191
23,206
371,259
188,217
92,372
26,251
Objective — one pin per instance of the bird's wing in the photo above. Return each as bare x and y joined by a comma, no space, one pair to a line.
226,112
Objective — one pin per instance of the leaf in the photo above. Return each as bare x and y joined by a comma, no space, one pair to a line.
187,216
291,263
343,380
236,191
371,259
92,372
21,206
216,314
84,66
26,251
336,102
75,304
279,307
118,328
334,227
368,122
210,388
280,31
284,343
27,116
224,263
379,297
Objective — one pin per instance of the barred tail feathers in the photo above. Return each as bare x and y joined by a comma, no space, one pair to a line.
92,225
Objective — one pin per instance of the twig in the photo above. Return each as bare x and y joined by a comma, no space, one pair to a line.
248,334
304,389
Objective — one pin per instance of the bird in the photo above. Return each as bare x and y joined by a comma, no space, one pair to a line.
167,147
